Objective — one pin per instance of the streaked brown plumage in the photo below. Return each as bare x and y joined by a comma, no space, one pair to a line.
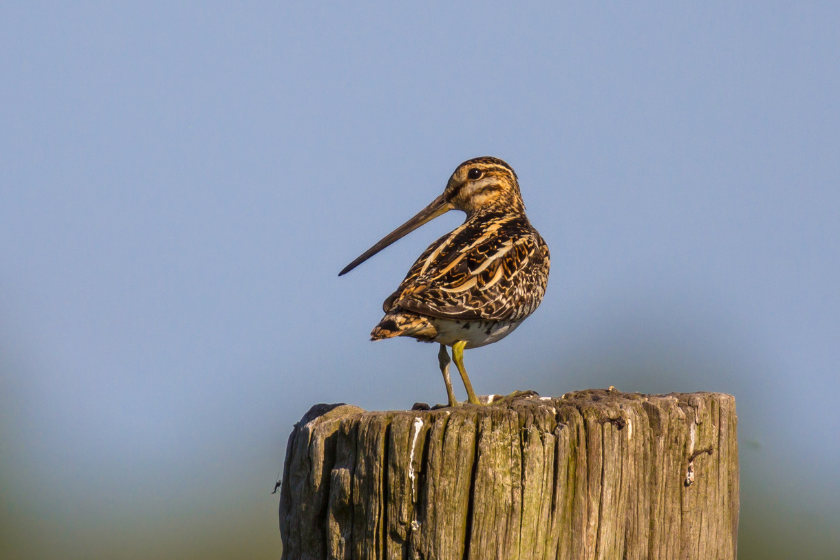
476,284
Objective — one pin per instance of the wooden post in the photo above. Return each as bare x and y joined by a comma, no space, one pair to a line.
592,474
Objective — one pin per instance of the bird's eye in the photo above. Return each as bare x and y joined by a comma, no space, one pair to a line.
474,173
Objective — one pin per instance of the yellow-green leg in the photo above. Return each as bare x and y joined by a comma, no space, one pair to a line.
443,358
458,356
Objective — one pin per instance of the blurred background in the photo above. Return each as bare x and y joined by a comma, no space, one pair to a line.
180,185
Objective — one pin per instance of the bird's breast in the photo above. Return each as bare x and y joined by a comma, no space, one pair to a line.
475,332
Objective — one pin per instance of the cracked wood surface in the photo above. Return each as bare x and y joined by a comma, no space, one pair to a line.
593,474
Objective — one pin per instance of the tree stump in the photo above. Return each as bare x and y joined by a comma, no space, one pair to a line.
592,474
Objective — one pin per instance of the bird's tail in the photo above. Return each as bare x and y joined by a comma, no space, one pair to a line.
401,323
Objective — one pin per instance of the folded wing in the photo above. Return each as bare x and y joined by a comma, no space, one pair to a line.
495,269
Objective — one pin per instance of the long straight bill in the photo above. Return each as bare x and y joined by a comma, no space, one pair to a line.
436,208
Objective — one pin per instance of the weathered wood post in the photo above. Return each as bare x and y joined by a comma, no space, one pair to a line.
593,474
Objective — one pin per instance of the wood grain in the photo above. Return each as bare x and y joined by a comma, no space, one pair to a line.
595,474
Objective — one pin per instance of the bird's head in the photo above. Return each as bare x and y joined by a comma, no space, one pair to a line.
481,184
477,185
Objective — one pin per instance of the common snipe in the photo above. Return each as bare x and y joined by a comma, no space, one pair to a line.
476,284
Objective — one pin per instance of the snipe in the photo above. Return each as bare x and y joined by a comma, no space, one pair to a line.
476,284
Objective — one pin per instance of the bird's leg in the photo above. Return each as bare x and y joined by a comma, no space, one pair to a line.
458,356
443,358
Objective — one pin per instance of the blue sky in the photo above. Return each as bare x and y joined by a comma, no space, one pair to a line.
180,185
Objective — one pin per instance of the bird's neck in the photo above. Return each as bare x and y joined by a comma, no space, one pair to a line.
507,206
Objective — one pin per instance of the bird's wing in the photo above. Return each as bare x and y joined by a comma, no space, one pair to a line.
494,270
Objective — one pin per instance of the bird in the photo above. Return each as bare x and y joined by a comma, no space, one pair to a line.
476,284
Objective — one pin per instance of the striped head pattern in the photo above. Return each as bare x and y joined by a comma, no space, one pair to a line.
484,183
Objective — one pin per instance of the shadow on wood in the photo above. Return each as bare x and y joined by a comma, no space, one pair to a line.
593,474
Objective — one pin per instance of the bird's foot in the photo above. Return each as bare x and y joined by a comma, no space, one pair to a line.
481,400
450,405
425,406
498,399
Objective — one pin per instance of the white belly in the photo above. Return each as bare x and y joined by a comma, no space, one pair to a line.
475,333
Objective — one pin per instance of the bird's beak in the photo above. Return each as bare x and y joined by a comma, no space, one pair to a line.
438,207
